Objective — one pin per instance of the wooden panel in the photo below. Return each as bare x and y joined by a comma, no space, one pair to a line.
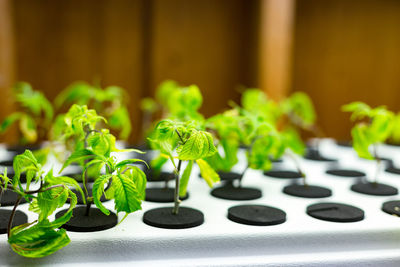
203,42
7,64
345,51
59,42
276,34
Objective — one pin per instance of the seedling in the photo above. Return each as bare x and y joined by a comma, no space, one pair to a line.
192,146
225,128
110,102
180,104
175,102
260,139
41,237
300,113
373,127
125,183
34,117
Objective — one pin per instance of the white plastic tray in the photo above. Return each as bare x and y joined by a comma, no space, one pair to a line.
301,240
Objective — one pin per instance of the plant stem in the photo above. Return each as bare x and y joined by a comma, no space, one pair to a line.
176,193
10,221
242,175
378,164
297,165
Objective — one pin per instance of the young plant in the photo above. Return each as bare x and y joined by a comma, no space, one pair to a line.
373,127
41,237
228,135
191,145
300,112
34,117
175,102
110,102
93,147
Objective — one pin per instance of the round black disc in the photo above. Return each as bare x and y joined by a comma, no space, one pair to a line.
8,198
335,212
307,191
227,176
256,215
162,177
392,169
19,218
231,192
163,218
313,154
283,174
162,195
96,221
375,189
345,173
392,207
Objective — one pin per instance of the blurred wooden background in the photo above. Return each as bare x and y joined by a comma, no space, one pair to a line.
335,50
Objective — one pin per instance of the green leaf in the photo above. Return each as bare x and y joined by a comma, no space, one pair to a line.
27,163
127,198
79,155
120,120
9,121
207,173
38,241
129,161
199,145
49,200
165,90
98,191
300,108
27,126
77,93
185,179
157,163
361,141
138,177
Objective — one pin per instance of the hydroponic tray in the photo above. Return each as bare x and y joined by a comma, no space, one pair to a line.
301,240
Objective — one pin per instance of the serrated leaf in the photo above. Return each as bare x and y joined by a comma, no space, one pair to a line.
98,191
138,177
38,241
79,155
207,173
199,145
127,199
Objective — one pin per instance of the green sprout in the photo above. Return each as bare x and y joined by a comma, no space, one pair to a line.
41,237
175,102
228,135
34,117
93,147
270,138
374,126
191,145
110,102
